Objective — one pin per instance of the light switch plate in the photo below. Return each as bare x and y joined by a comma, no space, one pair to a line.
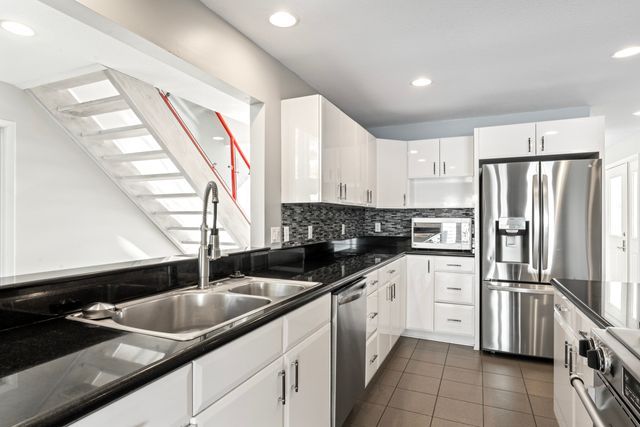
285,230
344,229
275,234
378,228
310,232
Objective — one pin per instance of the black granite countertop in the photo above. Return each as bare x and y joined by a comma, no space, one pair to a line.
605,303
53,370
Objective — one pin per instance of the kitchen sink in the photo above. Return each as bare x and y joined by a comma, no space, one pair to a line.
186,314
268,289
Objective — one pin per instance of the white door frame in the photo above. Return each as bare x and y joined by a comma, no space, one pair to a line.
7,198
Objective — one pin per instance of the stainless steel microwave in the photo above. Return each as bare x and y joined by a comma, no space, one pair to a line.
441,233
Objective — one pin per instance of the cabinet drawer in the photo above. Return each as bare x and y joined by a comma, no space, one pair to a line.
454,319
302,322
455,264
372,313
372,282
373,361
389,271
454,288
222,370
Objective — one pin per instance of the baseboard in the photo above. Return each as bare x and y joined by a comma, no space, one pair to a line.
434,336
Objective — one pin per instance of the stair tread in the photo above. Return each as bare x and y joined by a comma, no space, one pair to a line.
98,106
117,133
142,155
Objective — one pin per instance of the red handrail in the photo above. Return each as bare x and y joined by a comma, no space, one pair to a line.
233,192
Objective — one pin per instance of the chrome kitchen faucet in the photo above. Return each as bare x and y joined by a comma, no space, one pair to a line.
210,250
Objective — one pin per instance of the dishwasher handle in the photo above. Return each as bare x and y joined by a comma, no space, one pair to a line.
355,292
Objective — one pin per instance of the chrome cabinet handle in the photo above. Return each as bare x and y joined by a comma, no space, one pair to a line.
345,192
373,359
454,320
444,168
571,359
566,354
624,246
454,265
373,315
404,200
392,271
542,140
297,374
428,266
434,168
340,191
454,289
529,141
283,397
560,308
583,394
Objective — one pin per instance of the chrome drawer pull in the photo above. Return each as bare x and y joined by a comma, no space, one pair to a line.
454,289
373,359
283,398
561,308
372,315
454,265
454,320
391,271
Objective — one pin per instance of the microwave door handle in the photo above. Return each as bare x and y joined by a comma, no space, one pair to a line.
535,225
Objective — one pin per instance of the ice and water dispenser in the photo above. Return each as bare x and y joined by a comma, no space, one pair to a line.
512,240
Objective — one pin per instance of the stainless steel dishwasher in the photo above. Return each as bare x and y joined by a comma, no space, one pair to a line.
349,336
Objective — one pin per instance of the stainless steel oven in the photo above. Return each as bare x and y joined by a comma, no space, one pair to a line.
441,233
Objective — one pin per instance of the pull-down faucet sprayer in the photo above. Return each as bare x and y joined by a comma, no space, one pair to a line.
210,250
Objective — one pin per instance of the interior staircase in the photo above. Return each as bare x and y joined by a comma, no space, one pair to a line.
128,130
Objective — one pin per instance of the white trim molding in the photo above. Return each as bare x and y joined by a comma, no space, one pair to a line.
7,198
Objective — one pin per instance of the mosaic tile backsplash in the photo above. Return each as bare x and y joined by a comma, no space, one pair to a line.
327,220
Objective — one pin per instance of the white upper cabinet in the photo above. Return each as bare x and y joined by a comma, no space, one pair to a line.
392,173
423,158
372,170
324,154
584,135
571,136
445,157
507,141
456,156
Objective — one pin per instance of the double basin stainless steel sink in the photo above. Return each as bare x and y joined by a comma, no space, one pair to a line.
189,313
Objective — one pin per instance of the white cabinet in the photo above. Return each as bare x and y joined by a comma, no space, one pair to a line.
392,173
453,319
581,135
257,401
423,158
308,367
372,358
384,321
455,288
372,313
166,401
507,141
372,170
456,157
557,137
420,293
446,157
326,156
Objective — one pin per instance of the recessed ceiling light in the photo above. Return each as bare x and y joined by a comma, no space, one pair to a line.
283,19
421,82
637,113
218,138
422,160
17,28
627,52
413,151
551,132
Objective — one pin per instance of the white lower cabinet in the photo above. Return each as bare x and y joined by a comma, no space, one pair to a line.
257,401
308,375
420,293
166,402
384,320
454,319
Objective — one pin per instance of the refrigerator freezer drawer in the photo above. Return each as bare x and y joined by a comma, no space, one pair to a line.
517,318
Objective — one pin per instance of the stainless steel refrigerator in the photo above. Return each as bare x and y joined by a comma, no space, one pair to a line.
540,220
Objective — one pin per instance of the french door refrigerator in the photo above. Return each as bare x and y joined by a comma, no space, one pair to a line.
540,220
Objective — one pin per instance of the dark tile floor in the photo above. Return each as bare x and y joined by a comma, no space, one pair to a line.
428,383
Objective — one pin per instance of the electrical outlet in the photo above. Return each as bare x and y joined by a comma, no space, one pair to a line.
310,232
378,228
344,229
285,230
275,234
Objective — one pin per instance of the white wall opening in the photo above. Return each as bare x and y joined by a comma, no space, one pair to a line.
7,197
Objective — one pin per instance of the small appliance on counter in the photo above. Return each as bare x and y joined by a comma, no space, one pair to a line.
614,355
441,233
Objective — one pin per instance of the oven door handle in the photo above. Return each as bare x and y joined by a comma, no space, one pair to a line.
583,394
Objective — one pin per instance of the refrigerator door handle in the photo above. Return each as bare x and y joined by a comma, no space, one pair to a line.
545,222
535,223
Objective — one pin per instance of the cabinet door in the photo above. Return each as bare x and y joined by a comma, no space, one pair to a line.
301,149
423,158
350,160
420,293
456,156
507,141
256,402
392,173
309,381
332,140
384,322
372,168
166,401
583,135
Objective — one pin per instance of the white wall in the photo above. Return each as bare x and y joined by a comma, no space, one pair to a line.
68,212
191,31
622,149
464,127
